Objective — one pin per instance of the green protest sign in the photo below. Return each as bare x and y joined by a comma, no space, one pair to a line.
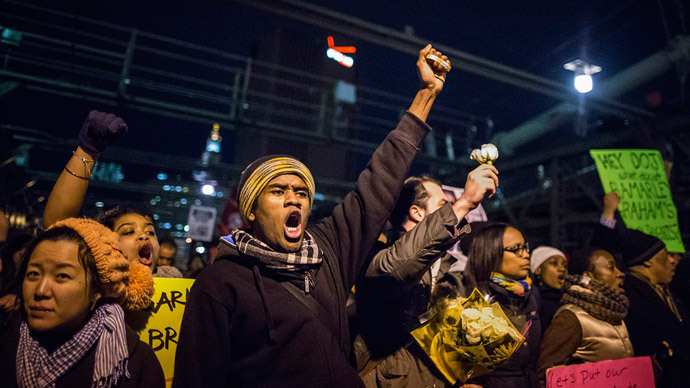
639,178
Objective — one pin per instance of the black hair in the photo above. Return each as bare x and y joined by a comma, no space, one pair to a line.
167,241
8,274
85,257
485,256
581,260
413,193
110,216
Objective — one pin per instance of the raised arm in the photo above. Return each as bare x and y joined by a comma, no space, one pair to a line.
611,201
397,268
356,222
99,131
432,77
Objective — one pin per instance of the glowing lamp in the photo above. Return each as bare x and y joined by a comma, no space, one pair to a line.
583,74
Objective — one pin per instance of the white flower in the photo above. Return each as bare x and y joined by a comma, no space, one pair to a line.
476,155
487,154
469,315
473,329
487,332
500,327
473,340
488,311
486,320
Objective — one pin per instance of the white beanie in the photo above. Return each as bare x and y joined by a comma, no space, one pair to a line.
541,254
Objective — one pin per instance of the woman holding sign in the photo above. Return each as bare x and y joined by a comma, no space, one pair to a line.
589,326
70,330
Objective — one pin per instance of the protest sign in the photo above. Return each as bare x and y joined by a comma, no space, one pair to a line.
201,221
639,178
633,372
163,327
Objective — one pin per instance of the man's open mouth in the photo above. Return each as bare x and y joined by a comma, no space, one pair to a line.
293,226
145,254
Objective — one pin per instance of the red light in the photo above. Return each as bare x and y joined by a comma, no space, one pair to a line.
340,49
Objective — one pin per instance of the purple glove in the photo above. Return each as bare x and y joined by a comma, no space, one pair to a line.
99,131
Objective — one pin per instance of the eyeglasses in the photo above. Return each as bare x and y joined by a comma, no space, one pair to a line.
518,248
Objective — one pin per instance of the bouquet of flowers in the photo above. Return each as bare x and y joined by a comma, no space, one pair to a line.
468,337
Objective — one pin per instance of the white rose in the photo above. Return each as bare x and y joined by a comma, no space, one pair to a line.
489,153
477,155
473,329
485,320
487,332
469,315
500,327
473,340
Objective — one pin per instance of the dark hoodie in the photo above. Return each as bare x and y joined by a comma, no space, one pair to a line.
243,328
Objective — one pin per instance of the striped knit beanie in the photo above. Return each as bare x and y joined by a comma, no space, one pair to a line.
112,266
256,176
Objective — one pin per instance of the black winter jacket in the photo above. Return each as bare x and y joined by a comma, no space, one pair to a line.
243,328
650,322
520,370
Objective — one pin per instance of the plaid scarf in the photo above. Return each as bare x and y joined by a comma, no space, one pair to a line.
517,287
596,298
308,256
38,369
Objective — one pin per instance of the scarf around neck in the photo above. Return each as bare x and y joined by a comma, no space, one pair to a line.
596,298
38,369
516,287
307,257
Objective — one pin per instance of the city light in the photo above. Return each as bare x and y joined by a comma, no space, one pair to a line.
200,250
207,189
583,83
583,74
340,58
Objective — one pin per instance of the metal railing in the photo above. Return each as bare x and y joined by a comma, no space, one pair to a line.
67,55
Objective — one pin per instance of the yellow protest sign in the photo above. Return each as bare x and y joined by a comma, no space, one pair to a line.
639,178
163,326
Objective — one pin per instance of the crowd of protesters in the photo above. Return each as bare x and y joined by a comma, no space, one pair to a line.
275,308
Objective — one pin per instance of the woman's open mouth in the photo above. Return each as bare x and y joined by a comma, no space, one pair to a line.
145,253
293,226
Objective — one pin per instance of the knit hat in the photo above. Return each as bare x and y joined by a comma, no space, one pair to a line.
112,266
638,247
130,284
541,254
256,176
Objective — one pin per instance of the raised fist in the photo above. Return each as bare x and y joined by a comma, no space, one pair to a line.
99,131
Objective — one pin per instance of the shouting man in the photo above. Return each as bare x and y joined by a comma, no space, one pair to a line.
271,309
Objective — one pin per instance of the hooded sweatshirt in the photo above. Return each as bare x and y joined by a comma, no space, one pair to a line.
243,325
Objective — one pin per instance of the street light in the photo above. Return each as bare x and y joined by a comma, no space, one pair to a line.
583,74
208,189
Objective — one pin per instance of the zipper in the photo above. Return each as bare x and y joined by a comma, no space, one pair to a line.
308,282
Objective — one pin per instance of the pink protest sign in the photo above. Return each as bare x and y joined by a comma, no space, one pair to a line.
633,372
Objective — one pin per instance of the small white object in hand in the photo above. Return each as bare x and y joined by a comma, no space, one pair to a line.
487,154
